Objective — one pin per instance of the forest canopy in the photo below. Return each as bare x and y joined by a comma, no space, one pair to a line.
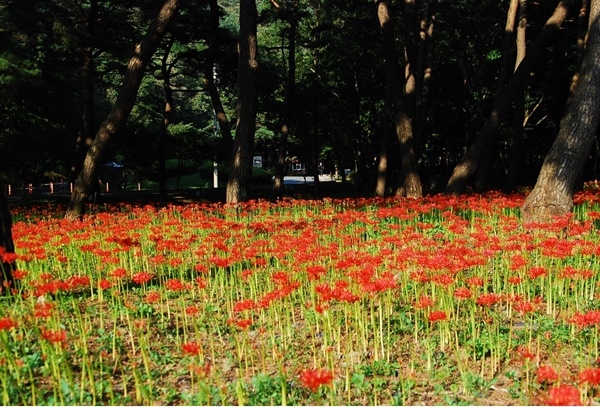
334,83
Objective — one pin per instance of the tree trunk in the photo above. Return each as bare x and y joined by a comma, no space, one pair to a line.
403,123
467,166
7,248
241,160
86,135
209,82
382,164
553,193
165,70
485,166
424,70
118,116
516,149
289,102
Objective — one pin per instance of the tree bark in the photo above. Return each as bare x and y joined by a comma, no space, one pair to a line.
403,123
516,149
424,70
289,102
86,135
118,116
467,166
209,82
165,70
7,247
241,157
485,166
553,193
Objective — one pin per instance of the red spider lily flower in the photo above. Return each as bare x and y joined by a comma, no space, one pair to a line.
6,324
475,281
536,272
563,395
202,284
516,280
174,284
525,353
436,316
152,296
19,274
424,302
280,278
76,282
118,273
590,375
192,310
246,274
244,305
104,284
46,276
321,308
589,318
546,373
242,323
175,262
488,300
517,261
524,307
157,260
43,310
462,293
201,268
54,335
316,272
7,257
141,277
191,348
315,378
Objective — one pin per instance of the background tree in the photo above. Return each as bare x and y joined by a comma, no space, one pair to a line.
131,82
467,166
241,157
553,193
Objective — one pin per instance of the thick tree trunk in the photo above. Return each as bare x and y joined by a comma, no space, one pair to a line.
382,164
517,148
467,166
165,70
86,135
241,161
403,123
485,165
424,70
118,116
289,102
7,248
553,193
209,82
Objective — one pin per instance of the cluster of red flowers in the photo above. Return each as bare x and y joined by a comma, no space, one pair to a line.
191,348
546,373
436,316
6,324
339,292
242,323
563,395
315,378
54,335
587,319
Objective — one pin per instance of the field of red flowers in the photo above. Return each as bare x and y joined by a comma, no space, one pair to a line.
340,302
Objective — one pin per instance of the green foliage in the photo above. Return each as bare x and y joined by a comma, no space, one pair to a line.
338,111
